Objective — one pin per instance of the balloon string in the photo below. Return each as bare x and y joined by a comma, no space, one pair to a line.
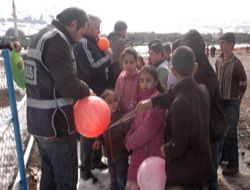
126,117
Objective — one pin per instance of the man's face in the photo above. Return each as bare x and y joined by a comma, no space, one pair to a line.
77,33
225,46
80,33
94,28
124,33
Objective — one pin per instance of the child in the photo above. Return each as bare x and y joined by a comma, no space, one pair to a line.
232,85
126,87
187,149
140,62
114,147
157,57
146,134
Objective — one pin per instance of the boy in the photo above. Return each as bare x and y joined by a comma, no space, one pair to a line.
157,58
232,85
187,149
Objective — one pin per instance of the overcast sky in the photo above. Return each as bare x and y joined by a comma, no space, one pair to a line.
144,15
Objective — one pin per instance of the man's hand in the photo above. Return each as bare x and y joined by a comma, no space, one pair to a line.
16,46
163,151
143,105
92,92
109,52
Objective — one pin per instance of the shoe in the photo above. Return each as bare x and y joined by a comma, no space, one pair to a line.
230,171
86,174
99,165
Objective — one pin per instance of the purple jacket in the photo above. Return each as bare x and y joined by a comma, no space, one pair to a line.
127,89
146,135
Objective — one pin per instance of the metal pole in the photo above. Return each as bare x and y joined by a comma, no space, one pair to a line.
12,100
15,20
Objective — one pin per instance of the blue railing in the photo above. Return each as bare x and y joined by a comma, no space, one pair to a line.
12,100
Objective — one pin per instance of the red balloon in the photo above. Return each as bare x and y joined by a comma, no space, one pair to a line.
92,116
103,43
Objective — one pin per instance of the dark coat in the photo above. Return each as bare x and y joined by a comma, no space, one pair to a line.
58,80
188,152
117,43
92,64
113,139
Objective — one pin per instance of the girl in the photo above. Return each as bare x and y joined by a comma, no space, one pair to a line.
114,147
127,85
140,62
146,134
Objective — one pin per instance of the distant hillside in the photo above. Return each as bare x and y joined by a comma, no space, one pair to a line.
27,19
145,37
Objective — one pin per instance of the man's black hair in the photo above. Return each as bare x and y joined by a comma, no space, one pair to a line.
73,13
120,26
167,47
229,37
157,47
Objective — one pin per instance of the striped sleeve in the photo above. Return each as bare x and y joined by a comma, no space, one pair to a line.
242,78
93,63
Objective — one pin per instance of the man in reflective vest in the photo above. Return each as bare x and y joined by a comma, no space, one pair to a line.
52,84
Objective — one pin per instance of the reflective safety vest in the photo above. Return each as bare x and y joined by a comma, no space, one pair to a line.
42,100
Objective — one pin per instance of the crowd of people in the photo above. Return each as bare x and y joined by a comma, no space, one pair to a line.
185,111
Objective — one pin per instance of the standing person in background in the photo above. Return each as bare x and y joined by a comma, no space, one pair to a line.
127,84
140,62
156,56
51,86
232,84
146,135
207,50
167,54
92,64
118,43
171,81
213,50
247,50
